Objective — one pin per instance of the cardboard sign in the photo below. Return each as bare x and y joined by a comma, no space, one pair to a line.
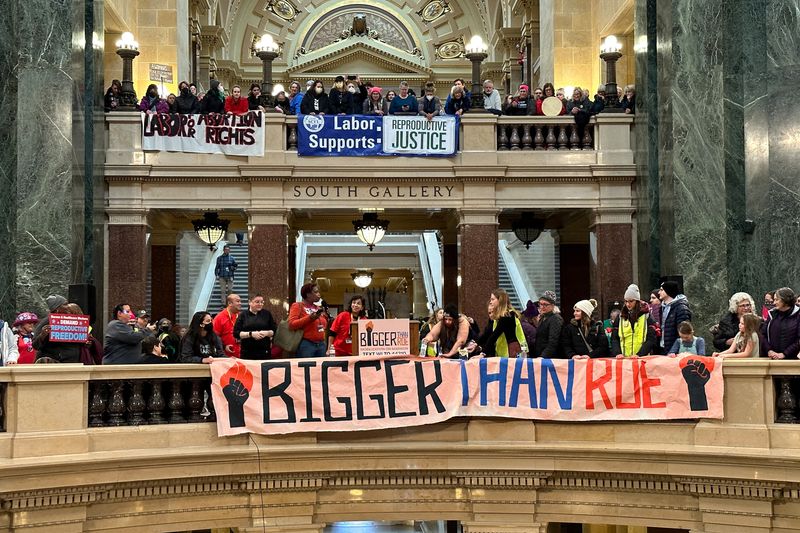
363,393
162,73
384,337
69,328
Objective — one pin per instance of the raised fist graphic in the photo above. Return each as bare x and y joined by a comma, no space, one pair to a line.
696,376
236,394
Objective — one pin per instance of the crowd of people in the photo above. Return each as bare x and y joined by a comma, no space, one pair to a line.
634,327
352,96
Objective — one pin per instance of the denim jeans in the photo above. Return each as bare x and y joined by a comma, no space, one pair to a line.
310,349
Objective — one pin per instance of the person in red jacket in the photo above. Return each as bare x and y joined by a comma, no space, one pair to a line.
312,319
339,340
224,322
24,325
235,103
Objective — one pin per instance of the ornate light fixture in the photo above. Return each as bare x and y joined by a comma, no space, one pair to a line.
476,52
211,229
267,50
127,49
370,230
610,53
527,228
362,278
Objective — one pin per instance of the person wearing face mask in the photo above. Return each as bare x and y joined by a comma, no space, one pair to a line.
214,99
186,103
360,93
123,344
429,105
169,338
491,98
200,344
340,99
282,103
235,103
151,103
315,102
404,103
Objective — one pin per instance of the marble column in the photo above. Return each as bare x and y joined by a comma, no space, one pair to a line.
127,259
612,268
292,263
717,175
450,267
268,266
479,270
163,276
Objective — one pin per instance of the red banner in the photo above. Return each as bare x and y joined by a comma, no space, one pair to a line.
362,393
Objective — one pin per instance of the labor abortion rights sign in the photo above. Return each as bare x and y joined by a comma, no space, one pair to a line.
360,135
363,393
213,133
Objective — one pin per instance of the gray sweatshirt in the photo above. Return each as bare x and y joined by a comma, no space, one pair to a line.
122,346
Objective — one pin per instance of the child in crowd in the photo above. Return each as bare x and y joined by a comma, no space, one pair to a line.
687,343
745,343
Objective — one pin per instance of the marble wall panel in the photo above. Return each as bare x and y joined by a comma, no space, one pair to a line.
479,271
268,268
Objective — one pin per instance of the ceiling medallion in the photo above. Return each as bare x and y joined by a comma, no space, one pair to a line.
451,49
283,9
433,10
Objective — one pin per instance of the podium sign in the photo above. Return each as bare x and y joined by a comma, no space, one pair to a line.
384,337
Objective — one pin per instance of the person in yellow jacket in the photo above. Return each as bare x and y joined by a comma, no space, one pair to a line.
503,336
633,333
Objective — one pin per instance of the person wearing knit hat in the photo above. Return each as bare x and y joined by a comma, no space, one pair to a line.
529,322
674,310
521,103
54,301
633,333
548,334
24,324
582,337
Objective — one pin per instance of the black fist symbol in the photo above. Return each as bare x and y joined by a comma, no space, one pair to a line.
236,394
696,376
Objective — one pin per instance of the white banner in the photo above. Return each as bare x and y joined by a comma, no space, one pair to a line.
204,134
384,337
418,135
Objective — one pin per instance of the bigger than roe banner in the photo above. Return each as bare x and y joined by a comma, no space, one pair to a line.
357,135
362,393
204,134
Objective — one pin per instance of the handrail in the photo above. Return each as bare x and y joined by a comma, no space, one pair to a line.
520,286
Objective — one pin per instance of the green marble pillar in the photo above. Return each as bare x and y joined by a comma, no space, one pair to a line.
49,81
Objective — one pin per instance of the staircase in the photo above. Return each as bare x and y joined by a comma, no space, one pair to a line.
506,284
241,255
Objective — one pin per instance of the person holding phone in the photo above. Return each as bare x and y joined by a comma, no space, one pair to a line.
309,315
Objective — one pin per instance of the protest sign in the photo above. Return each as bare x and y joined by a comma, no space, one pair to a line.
69,328
206,134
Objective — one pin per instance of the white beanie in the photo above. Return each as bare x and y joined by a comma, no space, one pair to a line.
632,293
587,306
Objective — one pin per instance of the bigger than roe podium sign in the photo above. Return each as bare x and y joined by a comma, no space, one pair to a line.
361,393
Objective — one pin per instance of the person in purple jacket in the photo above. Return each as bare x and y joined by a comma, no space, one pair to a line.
781,330
151,103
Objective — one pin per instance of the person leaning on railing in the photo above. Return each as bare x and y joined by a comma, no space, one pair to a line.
151,102
404,103
429,105
633,333
452,332
549,90
781,331
315,101
521,104
491,98
214,100
340,100
186,103
340,342
728,326
580,108
458,104
503,336
374,105
201,344
582,337
548,331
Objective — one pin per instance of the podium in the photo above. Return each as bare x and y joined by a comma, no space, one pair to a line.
413,331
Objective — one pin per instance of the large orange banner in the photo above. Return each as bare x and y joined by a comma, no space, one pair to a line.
362,393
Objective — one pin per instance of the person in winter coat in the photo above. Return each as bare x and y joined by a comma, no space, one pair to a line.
151,102
214,100
549,90
201,344
674,310
548,333
633,333
529,319
429,105
24,324
9,352
522,104
122,344
186,103
61,352
315,101
374,105
113,96
582,338
740,304
340,101
781,331
458,104
628,102
580,108
503,336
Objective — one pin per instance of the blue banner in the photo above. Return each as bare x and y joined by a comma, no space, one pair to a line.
360,135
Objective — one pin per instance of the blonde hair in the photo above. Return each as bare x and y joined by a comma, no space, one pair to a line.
504,306
752,324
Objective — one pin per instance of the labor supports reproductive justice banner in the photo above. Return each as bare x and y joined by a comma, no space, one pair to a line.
362,393
357,135
213,133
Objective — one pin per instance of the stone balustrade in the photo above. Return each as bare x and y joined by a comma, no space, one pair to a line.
102,448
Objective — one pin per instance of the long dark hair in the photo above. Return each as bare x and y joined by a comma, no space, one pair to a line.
193,333
633,315
363,311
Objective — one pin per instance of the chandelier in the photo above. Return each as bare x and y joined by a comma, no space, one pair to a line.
362,278
370,230
211,229
527,228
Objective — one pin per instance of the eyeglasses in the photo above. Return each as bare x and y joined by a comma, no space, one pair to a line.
545,304
746,304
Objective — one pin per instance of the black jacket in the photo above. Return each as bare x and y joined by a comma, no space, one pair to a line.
208,346
212,103
248,321
548,336
728,328
679,312
340,102
782,332
307,104
187,104
572,340
506,325
648,346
